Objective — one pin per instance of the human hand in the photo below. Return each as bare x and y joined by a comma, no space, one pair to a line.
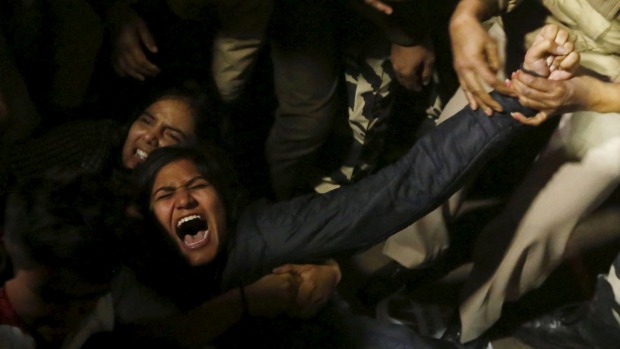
380,6
552,54
550,97
273,295
130,35
413,65
318,284
476,61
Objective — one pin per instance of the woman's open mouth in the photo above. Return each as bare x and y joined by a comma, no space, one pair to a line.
193,231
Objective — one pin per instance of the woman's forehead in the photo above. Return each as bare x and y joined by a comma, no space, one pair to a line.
177,171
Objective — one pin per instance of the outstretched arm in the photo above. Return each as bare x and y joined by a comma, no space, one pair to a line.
357,216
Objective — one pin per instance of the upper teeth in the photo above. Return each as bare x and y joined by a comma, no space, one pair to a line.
186,219
141,154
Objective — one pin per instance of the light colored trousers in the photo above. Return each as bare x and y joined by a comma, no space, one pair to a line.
561,188
579,168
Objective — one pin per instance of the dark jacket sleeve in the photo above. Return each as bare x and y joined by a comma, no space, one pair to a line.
357,216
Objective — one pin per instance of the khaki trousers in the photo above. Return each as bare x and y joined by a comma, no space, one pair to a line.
517,250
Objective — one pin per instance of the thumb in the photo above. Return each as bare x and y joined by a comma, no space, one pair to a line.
286,268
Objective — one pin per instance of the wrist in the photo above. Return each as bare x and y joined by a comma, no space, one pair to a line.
468,10
602,97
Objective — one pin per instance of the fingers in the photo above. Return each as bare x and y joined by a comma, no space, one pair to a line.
380,6
147,38
477,95
549,32
539,50
561,37
540,93
470,99
135,64
290,268
286,268
535,120
570,62
526,84
305,294
130,58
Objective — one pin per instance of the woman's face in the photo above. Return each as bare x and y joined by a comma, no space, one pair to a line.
166,122
190,210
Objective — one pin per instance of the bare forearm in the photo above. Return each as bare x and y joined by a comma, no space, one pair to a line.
480,9
602,97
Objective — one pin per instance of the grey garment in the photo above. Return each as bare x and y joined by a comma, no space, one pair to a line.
303,51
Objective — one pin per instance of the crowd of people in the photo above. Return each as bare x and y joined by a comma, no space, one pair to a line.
192,174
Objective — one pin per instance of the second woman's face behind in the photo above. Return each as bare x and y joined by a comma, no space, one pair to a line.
190,211
168,121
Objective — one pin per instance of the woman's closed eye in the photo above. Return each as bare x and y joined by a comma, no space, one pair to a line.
174,136
198,186
147,119
164,195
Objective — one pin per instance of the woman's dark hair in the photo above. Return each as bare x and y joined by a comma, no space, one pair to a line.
205,110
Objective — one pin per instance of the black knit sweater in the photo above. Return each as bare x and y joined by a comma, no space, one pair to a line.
86,145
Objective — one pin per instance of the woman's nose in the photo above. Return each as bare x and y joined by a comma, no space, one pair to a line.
152,138
185,198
